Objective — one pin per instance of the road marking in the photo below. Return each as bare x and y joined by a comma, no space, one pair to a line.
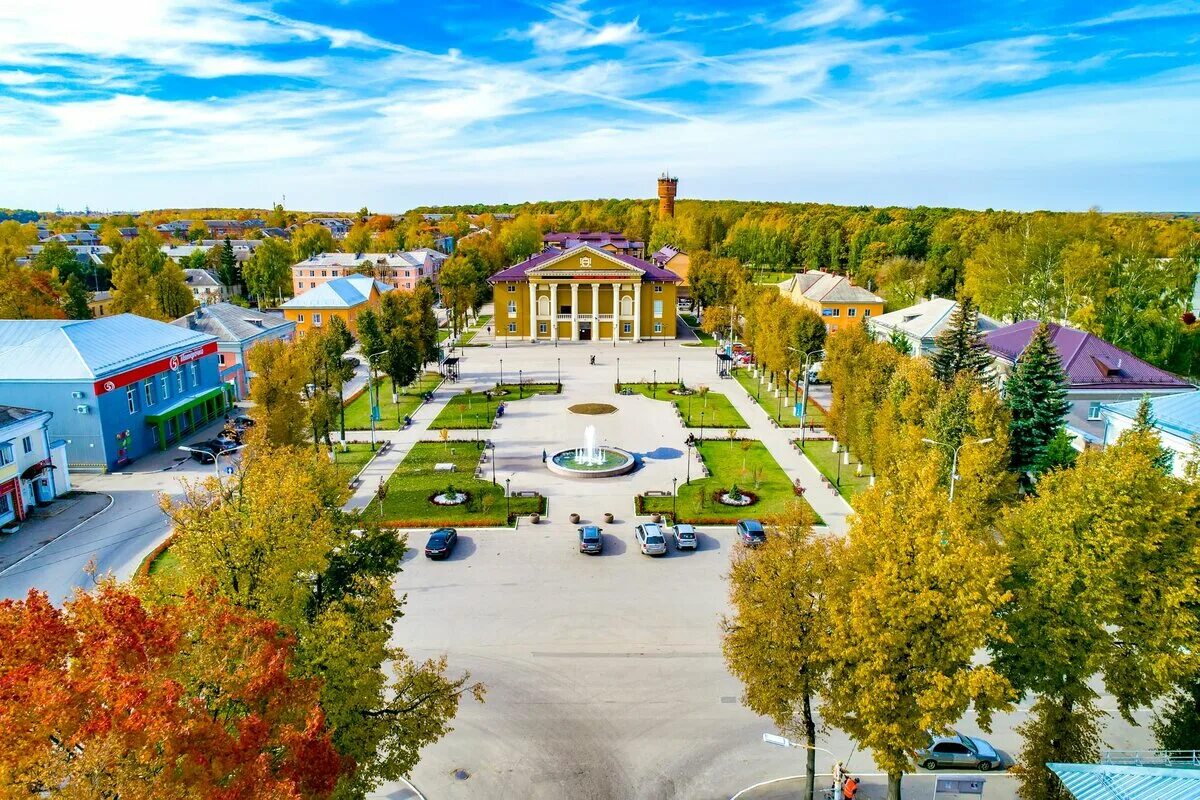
21,561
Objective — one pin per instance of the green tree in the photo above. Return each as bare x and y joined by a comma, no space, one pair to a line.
197,231
961,347
56,256
1036,396
76,298
775,642
1102,549
521,238
147,283
459,283
311,239
228,270
279,377
1144,422
913,600
899,341
171,297
268,273
1176,726
358,240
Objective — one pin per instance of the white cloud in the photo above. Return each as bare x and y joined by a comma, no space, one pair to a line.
560,36
18,77
1176,8
833,14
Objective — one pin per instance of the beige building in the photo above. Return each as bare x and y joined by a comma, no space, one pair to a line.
585,294
839,302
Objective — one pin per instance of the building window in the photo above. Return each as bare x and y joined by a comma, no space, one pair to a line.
658,288
1094,411
323,274
179,381
131,396
512,327
6,453
628,327
542,327
512,287
194,368
299,318
148,390
6,507
316,318
658,327
866,312
851,312
27,444
164,386
837,312
512,306
658,308
312,284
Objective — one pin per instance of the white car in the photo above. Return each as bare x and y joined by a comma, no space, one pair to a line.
684,536
651,540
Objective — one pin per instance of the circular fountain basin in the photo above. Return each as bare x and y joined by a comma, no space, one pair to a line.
611,461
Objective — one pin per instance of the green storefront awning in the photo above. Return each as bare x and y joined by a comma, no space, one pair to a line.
186,404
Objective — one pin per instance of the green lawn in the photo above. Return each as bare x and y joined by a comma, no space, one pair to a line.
821,454
165,567
350,463
358,411
706,339
780,411
412,484
443,334
467,412
746,463
770,276
718,413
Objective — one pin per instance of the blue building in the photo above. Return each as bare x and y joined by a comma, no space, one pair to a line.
118,387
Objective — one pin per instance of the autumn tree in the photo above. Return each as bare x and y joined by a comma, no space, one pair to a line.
521,238
147,283
311,239
28,293
279,377
1102,549
1036,396
274,539
358,240
961,347
911,603
109,696
776,641
268,273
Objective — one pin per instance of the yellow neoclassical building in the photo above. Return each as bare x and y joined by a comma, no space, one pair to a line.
585,294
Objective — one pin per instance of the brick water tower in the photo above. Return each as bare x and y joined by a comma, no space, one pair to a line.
666,195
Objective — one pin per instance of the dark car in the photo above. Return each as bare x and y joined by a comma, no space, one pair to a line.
750,532
441,543
204,452
590,540
243,421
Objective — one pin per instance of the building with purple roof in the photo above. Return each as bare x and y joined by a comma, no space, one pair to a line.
1098,374
609,241
585,293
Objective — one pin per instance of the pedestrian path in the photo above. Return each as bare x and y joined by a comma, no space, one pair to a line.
827,502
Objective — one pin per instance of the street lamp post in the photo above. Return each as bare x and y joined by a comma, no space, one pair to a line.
654,384
702,425
373,392
508,497
674,501
679,371
559,360
618,370
502,364
954,458
688,482
492,446
520,383
804,394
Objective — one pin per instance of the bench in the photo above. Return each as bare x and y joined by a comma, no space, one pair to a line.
525,494
444,466
656,493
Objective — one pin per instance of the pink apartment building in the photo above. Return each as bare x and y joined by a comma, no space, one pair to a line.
399,270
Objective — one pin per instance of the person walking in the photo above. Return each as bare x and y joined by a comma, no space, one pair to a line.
850,788
839,778
543,456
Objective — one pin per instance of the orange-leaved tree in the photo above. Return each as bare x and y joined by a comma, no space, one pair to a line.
109,697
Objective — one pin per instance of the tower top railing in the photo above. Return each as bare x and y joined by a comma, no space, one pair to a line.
1152,758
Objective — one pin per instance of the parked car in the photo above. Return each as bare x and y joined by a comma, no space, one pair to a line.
651,540
750,532
204,452
441,543
243,421
959,751
684,536
590,540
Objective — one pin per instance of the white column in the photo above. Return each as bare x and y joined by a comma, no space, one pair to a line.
532,310
616,293
554,312
637,311
574,312
595,312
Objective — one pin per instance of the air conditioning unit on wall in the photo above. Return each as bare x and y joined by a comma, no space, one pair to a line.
81,409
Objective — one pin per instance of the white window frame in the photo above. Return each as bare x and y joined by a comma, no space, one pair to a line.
512,287
6,453
194,370
512,327
179,381
851,312
164,385
299,318
512,306
27,444
658,308
316,318
131,398
658,288
866,312
543,328
1094,411
658,327
628,327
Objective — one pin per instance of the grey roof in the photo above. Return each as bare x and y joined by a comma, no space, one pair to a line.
825,287
925,320
1112,782
10,415
347,292
1175,413
202,277
230,323
411,258
86,349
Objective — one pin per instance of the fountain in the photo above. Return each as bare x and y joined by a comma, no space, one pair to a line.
591,460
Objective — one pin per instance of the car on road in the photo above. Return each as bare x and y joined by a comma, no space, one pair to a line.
441,543
590,540
650,539
751,533
959,751
243,421
204,452
684,536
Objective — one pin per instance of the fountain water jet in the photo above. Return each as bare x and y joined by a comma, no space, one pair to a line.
592,460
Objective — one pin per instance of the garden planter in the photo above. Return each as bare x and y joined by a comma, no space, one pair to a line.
574,519
608,517
656,518
535,518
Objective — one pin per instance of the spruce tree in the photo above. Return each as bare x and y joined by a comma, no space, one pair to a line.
1036,395
961,348
229,271
1144,422
75,299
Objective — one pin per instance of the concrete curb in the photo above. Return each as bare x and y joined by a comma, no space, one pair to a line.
81,522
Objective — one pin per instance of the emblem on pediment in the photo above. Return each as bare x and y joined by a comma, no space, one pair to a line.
585,261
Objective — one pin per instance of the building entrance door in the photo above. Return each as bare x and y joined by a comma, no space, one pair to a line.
585,331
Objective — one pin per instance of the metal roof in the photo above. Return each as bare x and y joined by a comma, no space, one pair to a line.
1112,782
926,319
650,270
1176,413
230,323
347,292
86,349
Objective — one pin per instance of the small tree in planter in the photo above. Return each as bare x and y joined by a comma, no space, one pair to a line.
732,436
746,445
444,433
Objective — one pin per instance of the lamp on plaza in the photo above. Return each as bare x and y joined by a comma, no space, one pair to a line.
520,383
502,366
954,458
702,425
654,384
618,370
373,393
559,360
491,445
508,497
679,371
804,395
691,442
674,500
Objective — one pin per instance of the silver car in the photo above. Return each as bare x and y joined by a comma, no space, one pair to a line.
959,751
651,540
684,536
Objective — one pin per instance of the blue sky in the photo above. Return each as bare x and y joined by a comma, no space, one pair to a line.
1015,104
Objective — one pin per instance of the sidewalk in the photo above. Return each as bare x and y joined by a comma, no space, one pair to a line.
50,522
996,786
834,510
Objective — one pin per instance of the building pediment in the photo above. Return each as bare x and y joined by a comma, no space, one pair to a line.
585,263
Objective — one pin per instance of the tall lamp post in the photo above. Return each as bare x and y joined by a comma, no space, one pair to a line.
954,458
804,394
690,443
679,371
702,425
492,446
559,367
618,370
654,384
508,498
373,389
520,383
502,364
674,501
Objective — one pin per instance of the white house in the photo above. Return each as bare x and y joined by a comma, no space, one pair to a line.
1176,420
33,470
207,287
920,324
